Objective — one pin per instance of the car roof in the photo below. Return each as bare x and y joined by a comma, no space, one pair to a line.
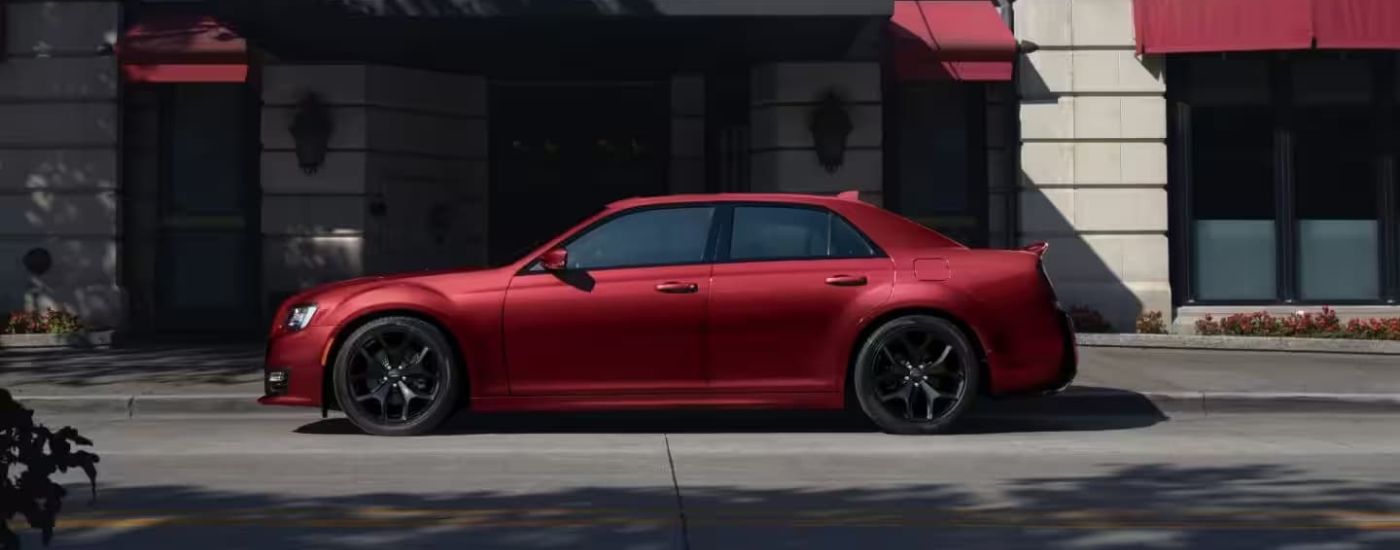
791,198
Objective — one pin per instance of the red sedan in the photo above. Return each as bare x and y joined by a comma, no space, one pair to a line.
717,301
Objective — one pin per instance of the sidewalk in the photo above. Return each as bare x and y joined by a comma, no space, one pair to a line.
212,378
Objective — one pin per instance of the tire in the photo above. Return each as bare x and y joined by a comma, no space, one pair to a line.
407,398
904,387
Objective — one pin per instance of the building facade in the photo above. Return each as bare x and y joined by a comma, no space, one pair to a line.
181,166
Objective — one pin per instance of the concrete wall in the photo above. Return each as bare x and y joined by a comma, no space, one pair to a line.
1093,156
402,188
58,158
782,98
687,134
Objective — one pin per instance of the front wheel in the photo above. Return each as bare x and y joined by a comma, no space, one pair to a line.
396,376
916,375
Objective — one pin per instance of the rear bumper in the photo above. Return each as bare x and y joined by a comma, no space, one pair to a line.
1054,359
1069,360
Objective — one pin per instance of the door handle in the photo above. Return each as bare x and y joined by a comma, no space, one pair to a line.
673,287
846,280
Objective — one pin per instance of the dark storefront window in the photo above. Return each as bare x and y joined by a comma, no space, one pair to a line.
941,157
1232,155
1281,177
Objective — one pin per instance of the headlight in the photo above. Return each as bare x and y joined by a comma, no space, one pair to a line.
299,317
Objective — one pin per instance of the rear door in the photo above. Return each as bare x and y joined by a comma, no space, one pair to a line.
789,288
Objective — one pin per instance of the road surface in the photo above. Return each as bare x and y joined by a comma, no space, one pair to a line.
754,480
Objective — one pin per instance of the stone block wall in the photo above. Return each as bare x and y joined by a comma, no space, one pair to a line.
59,181
1093,156
782,155
687,134
403,186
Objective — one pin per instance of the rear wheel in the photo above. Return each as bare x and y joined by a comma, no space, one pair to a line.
396,376
916,375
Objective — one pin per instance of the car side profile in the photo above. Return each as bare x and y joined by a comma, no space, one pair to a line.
725,301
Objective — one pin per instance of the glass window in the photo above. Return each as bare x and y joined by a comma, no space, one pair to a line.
645,238
1306,124
941,177
1335,180
776,232
207,149
1232,179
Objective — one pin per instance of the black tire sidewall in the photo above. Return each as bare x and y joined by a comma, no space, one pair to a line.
449,389
865,361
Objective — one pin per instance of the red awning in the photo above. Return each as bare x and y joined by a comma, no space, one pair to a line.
1185,26
951,39
1357,24
183,49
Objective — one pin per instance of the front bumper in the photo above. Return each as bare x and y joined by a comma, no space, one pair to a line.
297,356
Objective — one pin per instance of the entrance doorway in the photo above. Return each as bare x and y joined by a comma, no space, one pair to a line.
206,278
561,151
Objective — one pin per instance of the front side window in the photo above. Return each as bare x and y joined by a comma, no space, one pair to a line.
669,236
784,233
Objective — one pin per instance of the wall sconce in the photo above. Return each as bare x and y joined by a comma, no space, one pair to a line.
831,126
311,131
37,261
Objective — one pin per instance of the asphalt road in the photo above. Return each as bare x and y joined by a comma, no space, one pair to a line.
757,480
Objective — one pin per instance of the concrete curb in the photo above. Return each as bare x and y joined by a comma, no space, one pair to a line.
1244,343
76,340
1074,402
127,406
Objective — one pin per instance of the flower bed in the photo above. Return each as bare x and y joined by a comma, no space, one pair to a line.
49,321
1301,325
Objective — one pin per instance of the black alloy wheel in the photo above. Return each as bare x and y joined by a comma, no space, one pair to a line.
396,376
916,375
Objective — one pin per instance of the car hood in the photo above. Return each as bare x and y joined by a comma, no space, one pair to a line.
339,289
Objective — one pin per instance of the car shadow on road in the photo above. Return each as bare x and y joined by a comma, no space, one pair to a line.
1122,410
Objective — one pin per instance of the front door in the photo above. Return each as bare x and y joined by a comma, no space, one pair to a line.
785,296
561,151
628,315
206,280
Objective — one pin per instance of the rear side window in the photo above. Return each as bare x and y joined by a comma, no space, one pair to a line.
787,233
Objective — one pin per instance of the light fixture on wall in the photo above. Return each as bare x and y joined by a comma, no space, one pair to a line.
831,126
37,261
311,132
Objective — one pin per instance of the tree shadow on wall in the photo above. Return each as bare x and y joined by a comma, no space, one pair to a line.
1088,270
1145,505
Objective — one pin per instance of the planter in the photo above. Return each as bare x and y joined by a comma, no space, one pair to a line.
75,340
1244,343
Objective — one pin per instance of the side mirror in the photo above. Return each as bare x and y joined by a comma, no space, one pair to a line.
555,260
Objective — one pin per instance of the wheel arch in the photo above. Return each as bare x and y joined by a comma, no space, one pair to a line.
879,320
328,399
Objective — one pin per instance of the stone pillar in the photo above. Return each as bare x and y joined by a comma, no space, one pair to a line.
687,134
1093,157
58,158
403,186
782,154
